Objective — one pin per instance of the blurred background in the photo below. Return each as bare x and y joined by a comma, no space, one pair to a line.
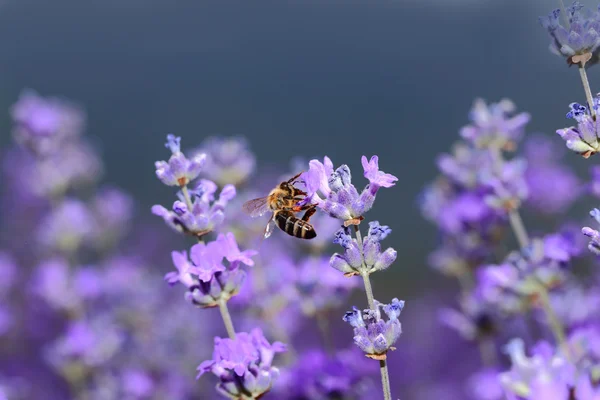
297,79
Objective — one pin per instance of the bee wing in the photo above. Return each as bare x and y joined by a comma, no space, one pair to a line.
256,207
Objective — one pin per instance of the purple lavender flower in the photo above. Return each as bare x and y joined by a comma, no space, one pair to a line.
206,277
494,126
579,40
463,165
231,250
342,375
207,213
372,334
474,321
243,365
485,385
334,193
90,342
67,227
179,170
75,164
113,210
229,160
365,260
515,283
320,288
552,186
508,186
576,306
584,138
544,375
43,124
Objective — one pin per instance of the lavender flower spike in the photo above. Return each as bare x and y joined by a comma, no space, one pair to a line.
494,125
243,365
357,261
579,41
207,279
333,191
178,171
372,334
583,139
206,213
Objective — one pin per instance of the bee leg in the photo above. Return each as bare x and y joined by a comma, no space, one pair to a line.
309,212
303,207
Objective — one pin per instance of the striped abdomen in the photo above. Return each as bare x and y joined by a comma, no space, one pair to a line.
294,226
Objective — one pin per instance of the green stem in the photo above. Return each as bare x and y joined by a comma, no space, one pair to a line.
368,290
587,89
385,380
186,196
518,227
227,319
364,273
557,329
383,369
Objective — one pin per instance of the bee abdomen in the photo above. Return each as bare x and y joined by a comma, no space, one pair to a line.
294,226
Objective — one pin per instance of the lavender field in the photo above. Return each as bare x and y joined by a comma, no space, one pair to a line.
299,200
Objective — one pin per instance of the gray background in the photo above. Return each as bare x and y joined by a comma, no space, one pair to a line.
342,78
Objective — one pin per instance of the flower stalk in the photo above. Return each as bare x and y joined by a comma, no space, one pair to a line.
227,319
383,369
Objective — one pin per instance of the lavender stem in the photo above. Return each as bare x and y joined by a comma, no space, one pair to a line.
557,329
186,196
385,377
518,227
227,319
586,87
385,380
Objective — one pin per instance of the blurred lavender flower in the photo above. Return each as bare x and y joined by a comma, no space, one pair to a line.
207,213
179,170
582,139
90,343
474,321
508,186
493,126
579,40
229,160
553,186
372,334
515,283
243,365
547,374
577,306
320,288
334,193
64,289
365,260
67,227
342,375
73,165
113,210
207,279
44,124
485,385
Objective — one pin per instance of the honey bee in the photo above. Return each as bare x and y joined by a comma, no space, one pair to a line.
283,202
